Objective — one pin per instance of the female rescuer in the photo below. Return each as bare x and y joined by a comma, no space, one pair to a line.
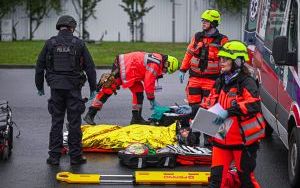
238,137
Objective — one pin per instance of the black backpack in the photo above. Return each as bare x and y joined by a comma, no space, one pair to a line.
6,130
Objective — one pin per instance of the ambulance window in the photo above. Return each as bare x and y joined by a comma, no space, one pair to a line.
252,15
263,17
274,21
292,27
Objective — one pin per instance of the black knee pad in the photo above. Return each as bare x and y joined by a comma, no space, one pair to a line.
205,93
104,98
195,91
140,97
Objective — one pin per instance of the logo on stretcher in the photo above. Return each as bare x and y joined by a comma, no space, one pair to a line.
178,177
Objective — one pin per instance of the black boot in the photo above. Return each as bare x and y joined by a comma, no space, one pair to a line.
53,160
78,160
89,117
137,118
144,122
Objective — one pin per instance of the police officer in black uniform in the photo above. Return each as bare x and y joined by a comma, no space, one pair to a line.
65,57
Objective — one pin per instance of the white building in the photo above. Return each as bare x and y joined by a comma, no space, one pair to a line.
112,21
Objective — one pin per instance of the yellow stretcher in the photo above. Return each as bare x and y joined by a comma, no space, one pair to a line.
139,177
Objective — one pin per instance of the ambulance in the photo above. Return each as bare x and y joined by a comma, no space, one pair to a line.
272,34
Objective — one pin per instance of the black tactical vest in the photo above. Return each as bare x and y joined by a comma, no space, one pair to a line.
64,56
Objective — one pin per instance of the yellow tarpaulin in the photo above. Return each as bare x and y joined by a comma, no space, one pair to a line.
117,137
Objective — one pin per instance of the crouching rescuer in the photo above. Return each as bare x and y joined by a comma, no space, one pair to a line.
137,71
241,123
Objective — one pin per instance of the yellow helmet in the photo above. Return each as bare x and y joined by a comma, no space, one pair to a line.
173,64
212,16
234,49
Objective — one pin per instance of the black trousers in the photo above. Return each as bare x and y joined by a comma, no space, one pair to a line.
63,101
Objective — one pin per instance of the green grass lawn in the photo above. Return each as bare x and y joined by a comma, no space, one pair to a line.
26,52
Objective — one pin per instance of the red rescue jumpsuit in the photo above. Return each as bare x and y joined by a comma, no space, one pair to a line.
240,137
134,69
202,62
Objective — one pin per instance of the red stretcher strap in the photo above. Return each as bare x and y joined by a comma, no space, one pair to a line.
193,160
99,150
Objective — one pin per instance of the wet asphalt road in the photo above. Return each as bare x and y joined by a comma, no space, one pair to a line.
27,166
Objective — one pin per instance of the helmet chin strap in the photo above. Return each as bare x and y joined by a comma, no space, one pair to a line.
166,64
229,76
210,31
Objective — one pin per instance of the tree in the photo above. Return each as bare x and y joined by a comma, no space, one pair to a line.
7,6
141,13
136,10
232,6
37,10
128,7
88,9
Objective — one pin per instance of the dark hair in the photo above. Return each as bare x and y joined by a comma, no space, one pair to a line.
164,57
245,70
214,23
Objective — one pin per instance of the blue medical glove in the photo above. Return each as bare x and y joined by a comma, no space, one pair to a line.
153,104
222,115
184,109
181,76
92,94
41,92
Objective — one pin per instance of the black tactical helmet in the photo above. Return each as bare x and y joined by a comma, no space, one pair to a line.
67,21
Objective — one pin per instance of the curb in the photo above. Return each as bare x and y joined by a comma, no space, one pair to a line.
33,67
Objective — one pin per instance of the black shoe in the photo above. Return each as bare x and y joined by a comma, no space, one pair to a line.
78,160
137,118
89,120
139,121
89,117
53,161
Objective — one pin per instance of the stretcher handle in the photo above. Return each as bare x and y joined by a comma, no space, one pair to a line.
69,177
140,177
